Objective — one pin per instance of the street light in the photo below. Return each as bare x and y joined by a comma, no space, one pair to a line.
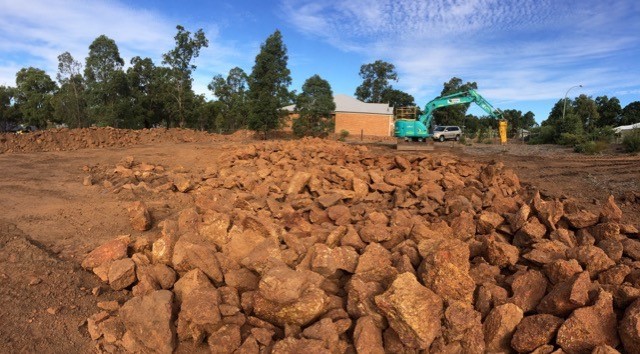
565,100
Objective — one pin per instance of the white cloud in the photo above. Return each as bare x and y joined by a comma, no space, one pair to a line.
526,50
35,32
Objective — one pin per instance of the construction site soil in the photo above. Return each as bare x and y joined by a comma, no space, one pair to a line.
175,240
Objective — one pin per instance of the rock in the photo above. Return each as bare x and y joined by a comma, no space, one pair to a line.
545,252
291,345
188,255
488,221
225,340
182,183
612,248
191,281
549,212
629,328
367,336
109,251
122,274
604,349
199,314
614,275
528,289
87,181
535,331
327,261
375,264
518,219
360,299
463,327
340,214
464,226
560,270
499,327
108,305
610,211
93,323
566,296
592,258
286,296
149,323
490,295
445,269
404,305
501,254
589,327
581,219
139,216
298,182
532,231
631,248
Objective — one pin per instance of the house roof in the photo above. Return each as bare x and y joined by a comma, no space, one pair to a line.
626,127
346,103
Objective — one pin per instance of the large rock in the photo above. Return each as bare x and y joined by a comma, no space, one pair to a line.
188,255
122,273
528,289
139,216
298,182
199,314
107,252
445,269
412,310
499,327
566,296
630,328
225,340
589,327
149,323
360,299
191,281
535,331
375,264
286,296
367,336
463,328
610,211
500,254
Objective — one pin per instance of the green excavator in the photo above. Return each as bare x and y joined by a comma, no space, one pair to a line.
419,129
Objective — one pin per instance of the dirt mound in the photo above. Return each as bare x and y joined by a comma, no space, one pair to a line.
86,138
318,246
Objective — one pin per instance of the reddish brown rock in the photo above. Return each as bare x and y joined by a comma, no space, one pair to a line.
528,289
488,221
532,231
360,295
188,255
610,211
225,340
581,219
501,254
560,270
107,252
192,280
550,212
298,182
286,296
367,336
592,258
631,248
589,327
463,328
445,269
566,296
535,331
375,264
199,314
604,349
139,216
489,296
149,323
122,273
518,220
630,328
405,305
499,327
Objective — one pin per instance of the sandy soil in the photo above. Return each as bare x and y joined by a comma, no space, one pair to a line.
49,221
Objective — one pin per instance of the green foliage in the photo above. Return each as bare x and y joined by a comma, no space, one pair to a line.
630,114
232,94
9,114
516,121
609,110
180,61
397,98
587,111
268,85
591,147
34,90
545,134
376,77
453,115
569,139
107,89
605,133
631,141
343,135
70,101
315,106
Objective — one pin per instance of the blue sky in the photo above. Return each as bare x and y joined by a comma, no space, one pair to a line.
523,54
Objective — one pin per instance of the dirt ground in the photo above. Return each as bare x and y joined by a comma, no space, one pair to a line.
49,221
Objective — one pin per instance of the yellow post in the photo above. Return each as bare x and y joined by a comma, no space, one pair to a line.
503,132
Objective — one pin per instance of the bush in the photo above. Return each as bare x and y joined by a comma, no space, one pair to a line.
343,135
605,133
591,147
543,135
570,139
631,141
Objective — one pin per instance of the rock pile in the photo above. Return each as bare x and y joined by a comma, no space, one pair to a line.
75,139
319,247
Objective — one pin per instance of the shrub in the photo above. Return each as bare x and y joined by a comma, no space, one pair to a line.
570,139
591,147
543,135
343,135
631,141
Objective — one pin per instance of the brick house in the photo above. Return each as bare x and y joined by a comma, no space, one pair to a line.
356,117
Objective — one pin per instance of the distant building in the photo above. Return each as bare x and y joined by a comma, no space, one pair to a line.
626,129
356,117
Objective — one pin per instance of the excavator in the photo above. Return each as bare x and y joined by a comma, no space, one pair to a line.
419,129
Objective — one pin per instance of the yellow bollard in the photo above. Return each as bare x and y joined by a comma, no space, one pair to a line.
503,132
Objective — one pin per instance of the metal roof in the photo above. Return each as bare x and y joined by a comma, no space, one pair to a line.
346,103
